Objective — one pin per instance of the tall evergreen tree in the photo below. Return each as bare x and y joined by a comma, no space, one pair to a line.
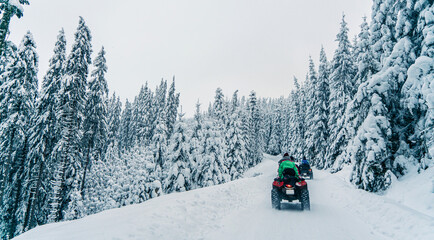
67,151
21,87
212,168
157,110
43,137
159,141
219,107
114,108
275,144
341,92
172,108
126,132
254,145
310,86
236,145
95,122
319,124
357,109
179,173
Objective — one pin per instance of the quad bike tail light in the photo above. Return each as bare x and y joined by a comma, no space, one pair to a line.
288,186
302,183
277,184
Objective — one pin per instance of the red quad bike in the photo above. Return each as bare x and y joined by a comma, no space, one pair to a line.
290,188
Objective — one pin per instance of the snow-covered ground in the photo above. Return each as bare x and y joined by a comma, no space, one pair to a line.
242,210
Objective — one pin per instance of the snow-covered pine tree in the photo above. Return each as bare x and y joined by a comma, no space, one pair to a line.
95,129
159,141
267,130
236,145
158,107
178,161
143,116
298,122
126,133
341,92
172,108
43,137
254,144
219,107
235,103
114,108
212,169
309,122
196,145
275,143
357,108
20,88
67,153
319,128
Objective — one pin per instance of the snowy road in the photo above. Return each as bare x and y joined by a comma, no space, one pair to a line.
242,210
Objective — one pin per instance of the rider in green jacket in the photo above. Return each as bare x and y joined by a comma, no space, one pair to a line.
287,162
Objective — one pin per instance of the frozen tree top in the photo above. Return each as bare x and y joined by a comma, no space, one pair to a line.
16,4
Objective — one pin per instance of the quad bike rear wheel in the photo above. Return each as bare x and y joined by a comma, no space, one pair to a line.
304,199
275,199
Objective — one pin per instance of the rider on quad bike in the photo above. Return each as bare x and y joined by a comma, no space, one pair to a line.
305,169
287,162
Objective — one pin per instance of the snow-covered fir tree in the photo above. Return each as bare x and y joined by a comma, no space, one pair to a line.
254,144
276,130
142,115
236,145
178,161
71,113
95,129
19,89
219,107
310,85
212,168
114,109
318,137
126,131
43,137
172,108
341,92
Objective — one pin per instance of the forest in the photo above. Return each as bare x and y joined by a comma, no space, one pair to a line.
70,148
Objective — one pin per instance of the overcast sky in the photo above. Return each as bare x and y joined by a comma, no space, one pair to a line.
233,44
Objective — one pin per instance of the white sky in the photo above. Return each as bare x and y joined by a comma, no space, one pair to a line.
233,44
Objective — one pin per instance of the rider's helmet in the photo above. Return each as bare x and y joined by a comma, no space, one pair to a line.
286,155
